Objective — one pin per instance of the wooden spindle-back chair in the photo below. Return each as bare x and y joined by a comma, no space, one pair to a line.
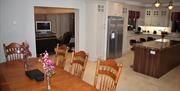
78,63
13,51
61,54
107,75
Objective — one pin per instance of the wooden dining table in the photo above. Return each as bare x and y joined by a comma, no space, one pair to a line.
13,78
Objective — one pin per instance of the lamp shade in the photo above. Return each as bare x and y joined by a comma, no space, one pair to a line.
170,6
157,4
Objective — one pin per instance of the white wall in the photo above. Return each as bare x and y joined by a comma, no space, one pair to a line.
1,28
96,32
17,21
91,27
140,21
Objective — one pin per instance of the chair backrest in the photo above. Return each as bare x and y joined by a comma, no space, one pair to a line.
61,54
78,63
142,40
107,75
66,37
13,51
132,42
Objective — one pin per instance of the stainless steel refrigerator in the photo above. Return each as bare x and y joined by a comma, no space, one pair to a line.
114,37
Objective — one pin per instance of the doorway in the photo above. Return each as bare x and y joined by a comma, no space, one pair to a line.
61,28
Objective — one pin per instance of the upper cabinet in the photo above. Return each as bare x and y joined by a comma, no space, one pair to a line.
115,9
156,17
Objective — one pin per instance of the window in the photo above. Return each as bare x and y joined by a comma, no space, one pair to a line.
132,18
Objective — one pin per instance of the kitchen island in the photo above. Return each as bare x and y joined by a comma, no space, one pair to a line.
156,58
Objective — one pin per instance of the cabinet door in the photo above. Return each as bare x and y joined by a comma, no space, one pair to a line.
162,17
154,17
148,20
165,17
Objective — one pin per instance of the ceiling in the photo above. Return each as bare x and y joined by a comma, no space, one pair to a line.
152,1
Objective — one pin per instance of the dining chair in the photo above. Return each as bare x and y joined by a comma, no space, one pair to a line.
150,38
61,54
132,42
13,51
107,75
78,63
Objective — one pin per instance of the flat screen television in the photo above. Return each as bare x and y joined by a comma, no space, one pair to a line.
43,26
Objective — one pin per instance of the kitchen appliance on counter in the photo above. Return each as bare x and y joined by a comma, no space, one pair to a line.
138,31
114,37
154,32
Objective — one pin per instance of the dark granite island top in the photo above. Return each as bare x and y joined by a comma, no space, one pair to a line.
160,43
155,58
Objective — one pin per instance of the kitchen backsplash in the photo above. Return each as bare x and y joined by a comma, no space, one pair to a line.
154,29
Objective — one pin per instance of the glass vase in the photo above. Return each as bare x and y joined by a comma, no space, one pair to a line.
48,83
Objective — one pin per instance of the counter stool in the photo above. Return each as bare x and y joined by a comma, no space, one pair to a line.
132,42
150,38
142,40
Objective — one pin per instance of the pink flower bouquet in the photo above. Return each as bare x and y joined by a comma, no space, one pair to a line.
48,65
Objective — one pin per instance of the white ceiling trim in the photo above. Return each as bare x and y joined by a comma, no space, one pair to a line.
142,4
164,5
128,2
133,3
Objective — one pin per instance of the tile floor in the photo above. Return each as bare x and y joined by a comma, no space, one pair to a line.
133,81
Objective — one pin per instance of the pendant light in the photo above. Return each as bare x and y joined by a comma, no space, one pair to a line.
157,4
170,6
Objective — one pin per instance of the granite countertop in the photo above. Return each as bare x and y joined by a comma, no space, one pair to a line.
174,35
160,43
142,33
